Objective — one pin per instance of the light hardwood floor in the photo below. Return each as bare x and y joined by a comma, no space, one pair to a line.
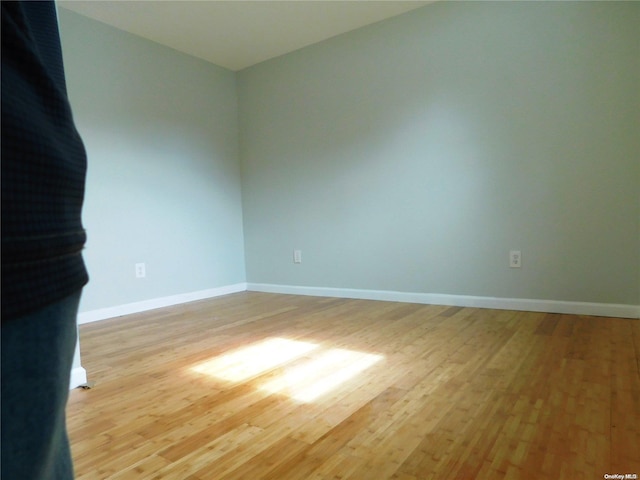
261,386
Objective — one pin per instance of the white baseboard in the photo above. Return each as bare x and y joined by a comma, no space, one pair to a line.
78,377
550,306
138,307
531,305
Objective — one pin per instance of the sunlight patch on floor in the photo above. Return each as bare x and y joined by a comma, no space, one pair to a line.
320,375
253,360
303,382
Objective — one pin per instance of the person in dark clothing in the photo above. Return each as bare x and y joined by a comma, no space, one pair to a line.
43,273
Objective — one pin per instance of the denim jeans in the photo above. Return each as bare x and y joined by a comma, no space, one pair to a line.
37,356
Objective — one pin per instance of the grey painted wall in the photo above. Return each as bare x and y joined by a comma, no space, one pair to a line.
410,155
163,186
413,154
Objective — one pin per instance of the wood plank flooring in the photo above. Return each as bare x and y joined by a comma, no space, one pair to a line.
262,386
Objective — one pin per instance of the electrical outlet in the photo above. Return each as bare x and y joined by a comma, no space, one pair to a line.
297,256
515,259
141,271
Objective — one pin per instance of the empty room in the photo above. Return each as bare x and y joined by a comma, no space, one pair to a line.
357,240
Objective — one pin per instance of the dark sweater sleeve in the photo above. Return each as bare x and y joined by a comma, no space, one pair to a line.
43,165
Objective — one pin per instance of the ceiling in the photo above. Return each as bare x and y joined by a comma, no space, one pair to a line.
236,34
